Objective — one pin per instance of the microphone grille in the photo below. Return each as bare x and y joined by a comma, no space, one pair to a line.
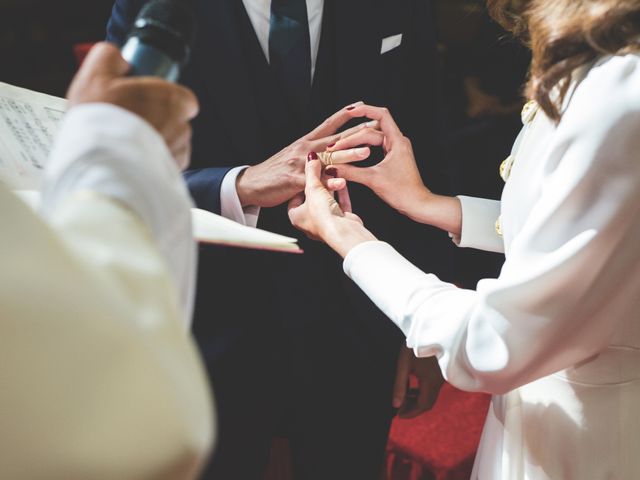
171,22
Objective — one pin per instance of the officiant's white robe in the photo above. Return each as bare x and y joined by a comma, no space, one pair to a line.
99,377
556,338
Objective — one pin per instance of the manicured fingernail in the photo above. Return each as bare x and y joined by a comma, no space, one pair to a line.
312,156
331,172
361,152
354,105
351,108
331,146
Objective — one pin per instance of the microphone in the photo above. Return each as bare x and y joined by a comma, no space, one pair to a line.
160,41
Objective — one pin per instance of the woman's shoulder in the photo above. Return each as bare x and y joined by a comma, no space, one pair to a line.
608,90
602,115
616,74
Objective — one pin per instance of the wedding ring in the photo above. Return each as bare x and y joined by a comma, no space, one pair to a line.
326,158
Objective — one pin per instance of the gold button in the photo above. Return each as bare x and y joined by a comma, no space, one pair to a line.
499,226
529,112
505,167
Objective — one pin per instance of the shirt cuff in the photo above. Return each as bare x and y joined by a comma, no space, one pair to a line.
479,218
386,277
230,206
428,311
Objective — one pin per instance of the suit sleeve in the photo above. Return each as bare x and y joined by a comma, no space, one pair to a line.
122,16
204,184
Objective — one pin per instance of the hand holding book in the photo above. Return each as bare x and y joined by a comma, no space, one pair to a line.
28,123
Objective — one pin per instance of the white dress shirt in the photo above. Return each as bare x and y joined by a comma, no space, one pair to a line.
100,377
259,12
260,15
556,338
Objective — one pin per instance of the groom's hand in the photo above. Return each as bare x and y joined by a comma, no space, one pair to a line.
282,177
413,402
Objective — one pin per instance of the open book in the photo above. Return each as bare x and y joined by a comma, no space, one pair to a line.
28,122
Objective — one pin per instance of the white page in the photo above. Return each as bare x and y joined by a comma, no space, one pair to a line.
28,122
211,228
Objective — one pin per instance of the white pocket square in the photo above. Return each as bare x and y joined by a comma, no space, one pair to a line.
391,43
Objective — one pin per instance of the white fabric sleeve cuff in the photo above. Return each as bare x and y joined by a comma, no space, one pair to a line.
431,313
230,206
107,150
479,218
383,274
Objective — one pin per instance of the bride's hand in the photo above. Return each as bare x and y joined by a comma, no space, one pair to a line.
396,180
321,217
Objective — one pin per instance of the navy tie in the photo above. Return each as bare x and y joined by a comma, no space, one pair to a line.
290,50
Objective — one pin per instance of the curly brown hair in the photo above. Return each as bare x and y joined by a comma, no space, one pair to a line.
566,34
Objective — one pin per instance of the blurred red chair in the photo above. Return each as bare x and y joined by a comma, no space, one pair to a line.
81,50
440,444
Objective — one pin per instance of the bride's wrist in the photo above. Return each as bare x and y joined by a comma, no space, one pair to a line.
439,211
421,206
345,236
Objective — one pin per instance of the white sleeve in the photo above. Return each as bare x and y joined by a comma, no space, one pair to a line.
572,273
109,151
93,346
479,217
230,206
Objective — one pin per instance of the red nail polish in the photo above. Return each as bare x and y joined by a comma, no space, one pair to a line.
351,108
331,172
331,146
312,156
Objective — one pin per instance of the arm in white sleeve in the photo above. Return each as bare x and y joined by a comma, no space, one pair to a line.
108,151
230,205
572,274
100,378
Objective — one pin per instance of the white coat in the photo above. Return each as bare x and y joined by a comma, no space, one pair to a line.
556,338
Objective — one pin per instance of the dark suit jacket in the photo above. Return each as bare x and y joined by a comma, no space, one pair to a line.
230,130
243,121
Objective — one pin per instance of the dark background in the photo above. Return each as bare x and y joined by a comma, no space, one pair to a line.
37,36
37,39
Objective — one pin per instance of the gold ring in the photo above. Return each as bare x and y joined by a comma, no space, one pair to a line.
326,158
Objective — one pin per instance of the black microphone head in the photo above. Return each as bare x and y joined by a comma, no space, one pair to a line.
168,25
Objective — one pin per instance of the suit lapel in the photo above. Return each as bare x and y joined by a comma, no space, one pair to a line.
225,71
224,64
357,39
231,59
